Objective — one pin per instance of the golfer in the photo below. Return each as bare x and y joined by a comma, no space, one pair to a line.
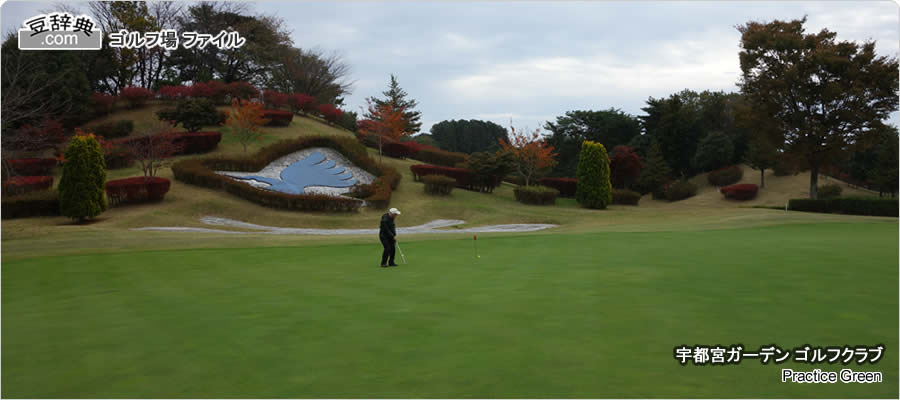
388,236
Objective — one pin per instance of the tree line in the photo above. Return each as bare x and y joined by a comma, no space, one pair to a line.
806,102
59,84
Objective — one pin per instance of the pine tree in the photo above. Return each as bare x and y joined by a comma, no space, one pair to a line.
656,172
396,97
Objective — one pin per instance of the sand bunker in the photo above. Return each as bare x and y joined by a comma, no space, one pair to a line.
431,227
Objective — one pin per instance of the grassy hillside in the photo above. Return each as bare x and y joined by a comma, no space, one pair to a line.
185,205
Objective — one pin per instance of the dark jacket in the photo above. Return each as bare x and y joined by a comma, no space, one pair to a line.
388,229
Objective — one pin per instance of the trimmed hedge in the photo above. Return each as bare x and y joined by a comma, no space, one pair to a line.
743,191
201,172
198,142
396,149
829,190
278,117
410,149
438,185
725,176
847,205
32,166
24,184
626,197
136,96
537,195
439,157
566,186
595,190
113,129
35,204
680,190
190,142
462,176
136,190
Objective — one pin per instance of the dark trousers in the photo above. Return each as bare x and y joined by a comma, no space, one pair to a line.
389,249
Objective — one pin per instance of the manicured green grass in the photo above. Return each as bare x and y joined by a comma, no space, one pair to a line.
540,315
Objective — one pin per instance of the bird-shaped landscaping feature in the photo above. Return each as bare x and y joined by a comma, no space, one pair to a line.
314,170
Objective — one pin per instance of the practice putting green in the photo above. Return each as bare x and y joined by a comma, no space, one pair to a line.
538,315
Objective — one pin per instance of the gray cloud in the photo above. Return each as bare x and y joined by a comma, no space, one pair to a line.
535,60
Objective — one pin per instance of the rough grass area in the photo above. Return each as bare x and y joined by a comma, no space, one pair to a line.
544,315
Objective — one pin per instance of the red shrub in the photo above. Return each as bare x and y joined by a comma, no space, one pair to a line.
136,96
103,102
741,191
200,89
278,117
242,90
32,166
48,134
396,149
25,184
218,91
302,102
330,113
136,190
275,99
565,186
624,167
174,92
416,146
463,176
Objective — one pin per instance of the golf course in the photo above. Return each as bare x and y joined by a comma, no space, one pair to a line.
260,199
591,308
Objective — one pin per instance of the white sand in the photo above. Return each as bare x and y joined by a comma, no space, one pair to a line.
431,227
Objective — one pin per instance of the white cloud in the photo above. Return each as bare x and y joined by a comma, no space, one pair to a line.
708,62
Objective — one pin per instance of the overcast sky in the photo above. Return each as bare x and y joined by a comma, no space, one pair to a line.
533,61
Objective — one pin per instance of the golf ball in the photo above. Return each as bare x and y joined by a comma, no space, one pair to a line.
479,256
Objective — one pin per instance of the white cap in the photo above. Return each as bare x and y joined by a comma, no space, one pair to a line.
394,211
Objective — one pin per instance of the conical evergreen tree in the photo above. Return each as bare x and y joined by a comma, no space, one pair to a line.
396,97
656,172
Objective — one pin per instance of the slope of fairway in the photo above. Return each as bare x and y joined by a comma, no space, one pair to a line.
565,315
776,193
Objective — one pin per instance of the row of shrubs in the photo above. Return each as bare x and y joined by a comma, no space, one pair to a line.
438,185
187,142
136,190
725,176
462,177
847,205
414,150
201,172
24,184
278,117
566,186
34,204
113,129
302,102
743,191
29,166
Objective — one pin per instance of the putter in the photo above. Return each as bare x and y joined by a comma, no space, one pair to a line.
401,253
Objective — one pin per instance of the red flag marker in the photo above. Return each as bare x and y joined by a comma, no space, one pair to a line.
475,245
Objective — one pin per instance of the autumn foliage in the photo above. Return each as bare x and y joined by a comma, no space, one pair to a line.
530,151
244,121
387,122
